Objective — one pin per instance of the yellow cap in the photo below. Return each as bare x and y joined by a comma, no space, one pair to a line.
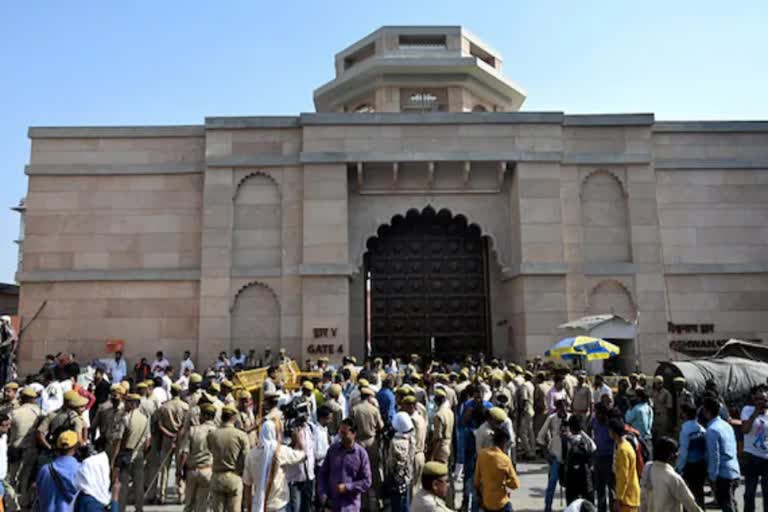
334,390
227,384
126,385
150,383
498,414
66,440
681,380
133,397
69,395
208,408
141,385
658,379
440,392
215,387
29,392
243,395
362,383
366,392
176,387
117,388
410,399
434,468
195,378
12,385
76,400
308,385
231,409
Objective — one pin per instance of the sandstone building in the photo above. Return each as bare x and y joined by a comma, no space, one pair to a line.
475,226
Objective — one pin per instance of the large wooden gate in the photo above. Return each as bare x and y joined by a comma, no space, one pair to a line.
429,279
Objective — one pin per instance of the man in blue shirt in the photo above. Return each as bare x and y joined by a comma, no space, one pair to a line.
473,414
605,484
386,398
691,458
722,461
56,487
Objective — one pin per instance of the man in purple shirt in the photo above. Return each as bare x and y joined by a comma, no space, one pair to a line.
346,472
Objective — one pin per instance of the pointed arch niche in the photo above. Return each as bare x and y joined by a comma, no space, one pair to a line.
604,219
256,231
255,317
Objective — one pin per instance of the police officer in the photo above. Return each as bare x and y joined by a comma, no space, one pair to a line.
420,433
442,433
69,417
369,423
433,488
197,461
246,420
228,446
170,419
22,451
134,442
108,418
337,411
195,392
9,402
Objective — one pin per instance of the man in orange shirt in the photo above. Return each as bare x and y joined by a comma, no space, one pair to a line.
625,468
495,475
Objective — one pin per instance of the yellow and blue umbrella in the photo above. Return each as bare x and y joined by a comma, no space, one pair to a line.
583,346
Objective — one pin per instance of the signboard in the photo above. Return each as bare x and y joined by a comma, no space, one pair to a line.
696,340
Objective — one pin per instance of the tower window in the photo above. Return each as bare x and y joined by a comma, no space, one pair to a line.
360,55
422,101
481,54
422,42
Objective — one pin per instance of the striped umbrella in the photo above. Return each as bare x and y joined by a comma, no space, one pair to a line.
583,346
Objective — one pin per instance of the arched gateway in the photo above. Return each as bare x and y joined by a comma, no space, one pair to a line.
428,279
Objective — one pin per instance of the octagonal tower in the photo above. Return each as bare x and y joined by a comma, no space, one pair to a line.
419,69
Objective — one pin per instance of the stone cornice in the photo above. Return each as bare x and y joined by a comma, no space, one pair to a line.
710,126
168,274
113,169
712,164
106,132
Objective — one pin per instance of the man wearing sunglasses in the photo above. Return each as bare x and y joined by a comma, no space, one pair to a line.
434,489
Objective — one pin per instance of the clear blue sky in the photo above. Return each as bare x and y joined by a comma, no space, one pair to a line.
175,62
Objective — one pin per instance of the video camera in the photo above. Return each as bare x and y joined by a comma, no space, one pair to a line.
296,414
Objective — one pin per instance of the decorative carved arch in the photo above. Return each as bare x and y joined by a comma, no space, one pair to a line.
380,222
604,172
616,284
252,175
260,284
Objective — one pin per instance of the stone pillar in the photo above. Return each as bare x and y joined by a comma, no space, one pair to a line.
650,285
215,266
543,290
325,270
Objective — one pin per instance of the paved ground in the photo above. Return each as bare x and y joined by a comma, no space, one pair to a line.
529,498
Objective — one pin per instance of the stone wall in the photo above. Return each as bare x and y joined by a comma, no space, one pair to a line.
80,317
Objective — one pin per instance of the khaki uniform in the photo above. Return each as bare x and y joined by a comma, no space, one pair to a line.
525,418
663,407
148,407
246,420
107,423
229,447
21,438
170,417
369,423
451,396
193,398
420,437
540,409
425,501
198,467
442,434
63,418
337,414
8,407
135,428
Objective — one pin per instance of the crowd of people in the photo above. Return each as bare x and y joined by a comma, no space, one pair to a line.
407,435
